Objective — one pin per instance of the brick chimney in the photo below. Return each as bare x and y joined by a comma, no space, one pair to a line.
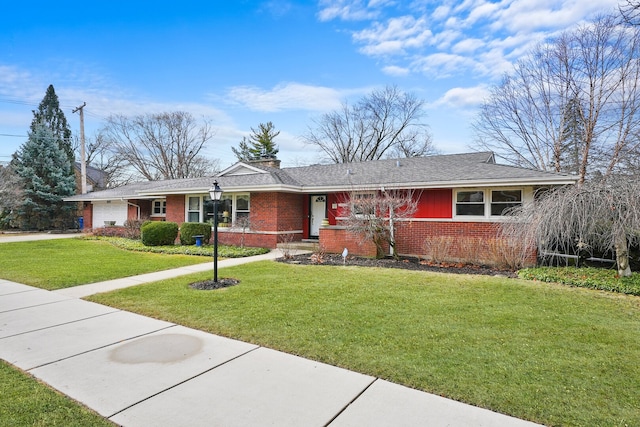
272,163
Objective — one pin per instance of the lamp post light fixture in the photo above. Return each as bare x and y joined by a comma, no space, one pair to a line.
216,194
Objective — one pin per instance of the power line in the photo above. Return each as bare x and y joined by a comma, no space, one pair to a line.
16,136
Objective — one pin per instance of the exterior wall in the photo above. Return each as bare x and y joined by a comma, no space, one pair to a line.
411,235
274,218
334,239
175,208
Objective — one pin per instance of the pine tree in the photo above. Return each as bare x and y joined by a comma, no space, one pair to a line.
50,115
43,167
260,144
572,136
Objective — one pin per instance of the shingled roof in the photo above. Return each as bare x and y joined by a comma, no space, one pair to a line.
442,171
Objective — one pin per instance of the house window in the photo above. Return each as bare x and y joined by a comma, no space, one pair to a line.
159,207
470,203
503,200
362,204
232,209
193,208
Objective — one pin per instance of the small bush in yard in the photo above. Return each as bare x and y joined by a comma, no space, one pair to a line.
159,233
189,230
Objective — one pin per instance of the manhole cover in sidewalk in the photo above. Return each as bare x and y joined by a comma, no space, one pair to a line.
166,348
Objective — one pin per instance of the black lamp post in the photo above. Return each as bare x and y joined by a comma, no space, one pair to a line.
216,194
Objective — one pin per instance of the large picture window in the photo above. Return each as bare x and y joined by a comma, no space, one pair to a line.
470,203
232,210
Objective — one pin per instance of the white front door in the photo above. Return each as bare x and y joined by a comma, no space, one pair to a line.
318,211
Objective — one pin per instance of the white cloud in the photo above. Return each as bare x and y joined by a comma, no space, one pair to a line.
467,46
394,70
443,65
395,36
463,97
348,10
287,96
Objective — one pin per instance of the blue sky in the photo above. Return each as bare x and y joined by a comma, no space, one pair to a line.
239,63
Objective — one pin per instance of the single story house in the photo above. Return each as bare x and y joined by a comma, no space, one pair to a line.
459,195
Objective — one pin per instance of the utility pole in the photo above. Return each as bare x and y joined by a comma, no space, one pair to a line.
83,162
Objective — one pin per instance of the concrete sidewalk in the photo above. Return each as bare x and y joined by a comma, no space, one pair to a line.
139,371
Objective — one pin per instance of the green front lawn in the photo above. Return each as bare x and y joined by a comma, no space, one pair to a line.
542,352
27,402
62,263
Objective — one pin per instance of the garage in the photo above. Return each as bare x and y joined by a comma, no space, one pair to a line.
109,210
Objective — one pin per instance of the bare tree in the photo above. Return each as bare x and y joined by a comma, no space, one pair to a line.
598,215
594,70
160,146
11,194
630,12
385,123
375,216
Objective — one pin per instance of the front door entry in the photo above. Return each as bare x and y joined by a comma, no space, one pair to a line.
318,211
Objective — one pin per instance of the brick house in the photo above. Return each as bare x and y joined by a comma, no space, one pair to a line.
459,195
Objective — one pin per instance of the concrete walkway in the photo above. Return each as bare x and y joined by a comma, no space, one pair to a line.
138,371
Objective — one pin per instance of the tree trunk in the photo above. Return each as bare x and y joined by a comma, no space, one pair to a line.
622,256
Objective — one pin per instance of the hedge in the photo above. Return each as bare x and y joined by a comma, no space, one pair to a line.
159,233
189,230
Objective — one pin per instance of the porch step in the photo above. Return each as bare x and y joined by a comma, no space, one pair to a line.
305,245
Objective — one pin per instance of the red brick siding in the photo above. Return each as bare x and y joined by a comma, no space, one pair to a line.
335,239
273,217
175,208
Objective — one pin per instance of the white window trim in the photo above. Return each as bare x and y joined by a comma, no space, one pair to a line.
527,196
200,206
163,207
202,198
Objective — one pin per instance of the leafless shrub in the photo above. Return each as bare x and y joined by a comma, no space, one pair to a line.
286,245
600,216
245,224
438,248
507,253
319,256
375,216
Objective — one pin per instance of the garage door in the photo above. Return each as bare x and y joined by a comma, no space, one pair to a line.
109,210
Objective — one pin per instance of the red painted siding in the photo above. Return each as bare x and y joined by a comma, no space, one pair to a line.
434,203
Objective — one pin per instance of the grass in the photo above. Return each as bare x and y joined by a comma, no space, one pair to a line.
27,402
542,352
585,277
62,263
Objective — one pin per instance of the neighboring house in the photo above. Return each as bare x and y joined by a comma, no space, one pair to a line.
459,195
96,178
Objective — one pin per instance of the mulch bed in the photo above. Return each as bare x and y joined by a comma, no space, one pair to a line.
407,263
207,285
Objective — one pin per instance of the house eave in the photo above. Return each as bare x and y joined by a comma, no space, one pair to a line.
441,184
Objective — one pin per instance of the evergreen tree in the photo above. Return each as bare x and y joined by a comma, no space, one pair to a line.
50,115
43,167
572,137
259,145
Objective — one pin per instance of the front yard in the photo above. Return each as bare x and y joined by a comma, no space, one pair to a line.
543,352
548,353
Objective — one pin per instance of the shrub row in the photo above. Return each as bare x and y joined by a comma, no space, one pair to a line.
589,277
